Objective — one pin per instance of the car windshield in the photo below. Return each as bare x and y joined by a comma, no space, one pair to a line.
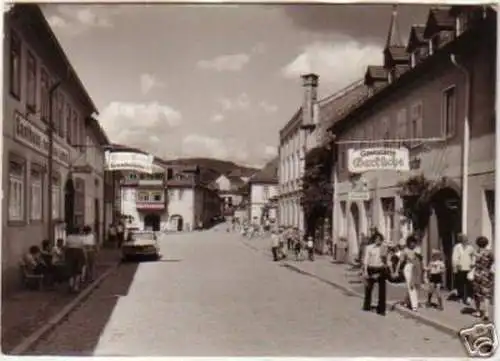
148,236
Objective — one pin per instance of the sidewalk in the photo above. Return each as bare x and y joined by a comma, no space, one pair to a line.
343,277
25,311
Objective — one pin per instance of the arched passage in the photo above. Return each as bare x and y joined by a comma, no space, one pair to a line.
177,222
69,205
152,221
446,205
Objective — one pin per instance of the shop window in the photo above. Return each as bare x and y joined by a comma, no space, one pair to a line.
36,195
56,197
16,191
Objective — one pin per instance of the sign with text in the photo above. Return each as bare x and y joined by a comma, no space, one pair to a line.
27,133
124,161
363,160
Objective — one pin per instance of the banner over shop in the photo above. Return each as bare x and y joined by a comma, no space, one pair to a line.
129,161
370,159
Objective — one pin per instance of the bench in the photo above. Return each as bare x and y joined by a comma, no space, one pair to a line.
29,279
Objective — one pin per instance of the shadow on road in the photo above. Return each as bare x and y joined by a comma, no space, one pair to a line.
79,334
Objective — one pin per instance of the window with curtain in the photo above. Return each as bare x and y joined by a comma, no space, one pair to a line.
36,195
16,191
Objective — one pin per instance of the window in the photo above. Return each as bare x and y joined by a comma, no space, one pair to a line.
132,176
170,173
15,65
75,125
342,157
416,122
36,195
44,94
16,191
60,114
181,193
401,125
56,197
266,193
69,135
157,196
31,82
143,197
448,113
79,202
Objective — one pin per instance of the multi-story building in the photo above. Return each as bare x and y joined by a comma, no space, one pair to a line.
33,62
436,97
264,192
192,202
305,131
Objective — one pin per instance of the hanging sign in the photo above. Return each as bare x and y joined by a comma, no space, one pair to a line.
124,161
363,160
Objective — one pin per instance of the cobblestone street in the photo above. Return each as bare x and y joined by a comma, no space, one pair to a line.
212,296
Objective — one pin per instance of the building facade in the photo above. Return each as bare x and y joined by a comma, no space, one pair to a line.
232,191
33,62
436,97
263,193
143,201
192,203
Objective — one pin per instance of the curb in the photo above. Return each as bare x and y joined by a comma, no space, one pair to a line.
403,311
32,339
396,307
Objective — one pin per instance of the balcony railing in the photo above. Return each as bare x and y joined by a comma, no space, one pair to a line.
150,205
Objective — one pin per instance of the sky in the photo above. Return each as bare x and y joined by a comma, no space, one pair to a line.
216,80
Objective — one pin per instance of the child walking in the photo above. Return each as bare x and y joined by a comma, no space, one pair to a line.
435,271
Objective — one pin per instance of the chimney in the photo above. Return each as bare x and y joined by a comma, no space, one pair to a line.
310,84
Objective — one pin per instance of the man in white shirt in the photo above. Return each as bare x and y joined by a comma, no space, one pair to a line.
462,262
375,271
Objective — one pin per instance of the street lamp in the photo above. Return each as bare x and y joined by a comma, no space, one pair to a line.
50,229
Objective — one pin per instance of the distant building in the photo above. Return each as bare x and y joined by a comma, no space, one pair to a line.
263,193
33,61
232,191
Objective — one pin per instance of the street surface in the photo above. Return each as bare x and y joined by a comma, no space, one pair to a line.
211,295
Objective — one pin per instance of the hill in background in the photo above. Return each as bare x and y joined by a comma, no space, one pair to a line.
221,166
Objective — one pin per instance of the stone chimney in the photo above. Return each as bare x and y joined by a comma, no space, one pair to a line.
310,84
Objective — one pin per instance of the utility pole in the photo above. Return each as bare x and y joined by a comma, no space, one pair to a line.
50,228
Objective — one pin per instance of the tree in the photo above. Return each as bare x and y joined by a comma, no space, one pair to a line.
317,190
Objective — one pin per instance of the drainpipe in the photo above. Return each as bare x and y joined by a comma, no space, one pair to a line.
465,142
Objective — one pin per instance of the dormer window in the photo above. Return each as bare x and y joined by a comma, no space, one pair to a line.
413,59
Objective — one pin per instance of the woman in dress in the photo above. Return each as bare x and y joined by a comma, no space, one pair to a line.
410,263
483,282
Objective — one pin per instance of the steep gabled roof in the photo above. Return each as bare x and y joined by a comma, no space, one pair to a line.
416,37
268,174
439,19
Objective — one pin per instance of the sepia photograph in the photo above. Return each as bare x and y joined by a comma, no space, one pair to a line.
249,179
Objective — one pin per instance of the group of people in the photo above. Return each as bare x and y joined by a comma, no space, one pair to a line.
472,269
72,262
116,234
290,239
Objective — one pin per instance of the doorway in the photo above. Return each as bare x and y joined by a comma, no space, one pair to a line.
447,209
152,221
69,205
177,222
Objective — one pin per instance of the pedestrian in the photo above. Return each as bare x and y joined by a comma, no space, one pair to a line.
435,271
297,248
289,238
408,263
310,248
58,261
275,245
76,260
483,278
120,233
375,272
112,235
462,261
90,246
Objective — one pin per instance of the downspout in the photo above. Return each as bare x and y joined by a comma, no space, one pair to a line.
465,142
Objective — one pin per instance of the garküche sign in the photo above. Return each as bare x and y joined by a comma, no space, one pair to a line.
129,161
363,160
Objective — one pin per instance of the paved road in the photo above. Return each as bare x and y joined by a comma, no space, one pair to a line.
213,296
